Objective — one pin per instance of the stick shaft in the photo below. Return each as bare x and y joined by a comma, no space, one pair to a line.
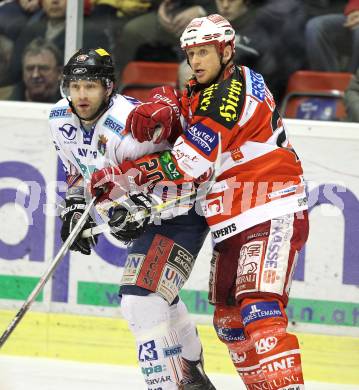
105,228
46,276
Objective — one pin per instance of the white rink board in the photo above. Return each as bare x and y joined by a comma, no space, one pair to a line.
330,155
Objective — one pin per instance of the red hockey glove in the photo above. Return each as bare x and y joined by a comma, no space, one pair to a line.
117,181
158,119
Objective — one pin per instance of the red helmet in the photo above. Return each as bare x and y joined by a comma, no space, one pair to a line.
207,30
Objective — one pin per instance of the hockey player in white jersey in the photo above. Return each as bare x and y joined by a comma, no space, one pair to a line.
86,127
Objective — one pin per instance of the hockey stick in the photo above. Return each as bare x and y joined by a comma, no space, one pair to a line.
105,228
45,277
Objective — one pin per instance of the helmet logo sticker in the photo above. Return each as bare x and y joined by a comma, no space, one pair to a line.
210,37
101,52
82,58
79,71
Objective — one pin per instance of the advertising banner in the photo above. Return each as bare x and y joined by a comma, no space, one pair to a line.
324,294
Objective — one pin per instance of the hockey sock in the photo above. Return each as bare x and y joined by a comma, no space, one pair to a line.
158,346
183,325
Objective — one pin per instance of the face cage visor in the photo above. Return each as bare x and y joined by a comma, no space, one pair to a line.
66,79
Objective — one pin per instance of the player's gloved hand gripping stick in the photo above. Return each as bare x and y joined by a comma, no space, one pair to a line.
46,276
143,214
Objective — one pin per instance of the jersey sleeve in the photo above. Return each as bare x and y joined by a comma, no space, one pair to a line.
130,149
192,157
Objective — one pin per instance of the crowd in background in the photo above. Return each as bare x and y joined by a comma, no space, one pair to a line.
274,37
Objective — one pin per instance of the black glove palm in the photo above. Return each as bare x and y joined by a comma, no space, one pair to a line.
130,229
70,215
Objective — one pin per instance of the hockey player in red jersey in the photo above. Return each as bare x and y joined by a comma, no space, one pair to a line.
233,136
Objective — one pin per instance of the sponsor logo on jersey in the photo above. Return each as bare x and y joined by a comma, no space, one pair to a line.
265,345
169,166
204,138
60,112
270,276
257,85
83,152
238,357
248,264
229,109
172,277
212,207
156,381
156,257
181,259
114,125
152,370
260,310
172,351
230,335
68,131
275,242
224,231
206,97
101,144
132,268
284,191
280,364
236,154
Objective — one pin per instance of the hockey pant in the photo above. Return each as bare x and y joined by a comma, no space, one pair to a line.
157,266
250,315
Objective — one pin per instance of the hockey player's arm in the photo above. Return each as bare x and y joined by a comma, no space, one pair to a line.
191,159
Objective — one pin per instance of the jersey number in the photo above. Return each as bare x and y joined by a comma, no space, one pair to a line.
152,170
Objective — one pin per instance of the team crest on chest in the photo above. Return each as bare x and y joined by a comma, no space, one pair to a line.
101,144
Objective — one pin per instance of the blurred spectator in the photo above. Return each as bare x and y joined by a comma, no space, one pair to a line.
6,48
154,36
14,14
351,99
332,41
314,8
51,26
111,15
41,72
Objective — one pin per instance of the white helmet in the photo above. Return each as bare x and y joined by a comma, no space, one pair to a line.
209,29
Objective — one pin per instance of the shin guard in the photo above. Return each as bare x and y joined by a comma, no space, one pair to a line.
158,346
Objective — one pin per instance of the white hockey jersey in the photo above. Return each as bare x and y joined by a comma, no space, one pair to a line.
83,152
